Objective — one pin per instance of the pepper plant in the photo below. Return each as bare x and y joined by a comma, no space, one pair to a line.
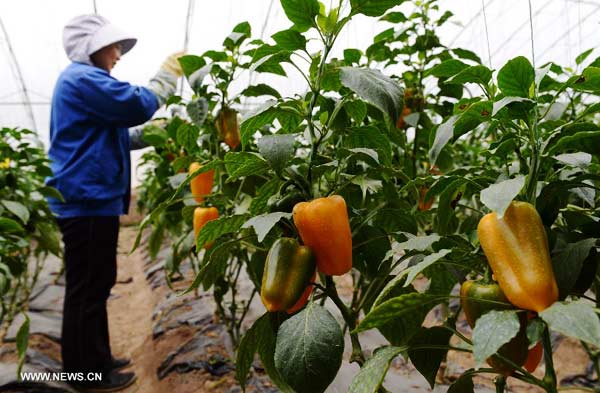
28,232
411,231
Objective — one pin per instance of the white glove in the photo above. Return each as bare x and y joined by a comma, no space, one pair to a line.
164,83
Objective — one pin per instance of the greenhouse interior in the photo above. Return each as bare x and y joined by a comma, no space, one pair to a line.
305,196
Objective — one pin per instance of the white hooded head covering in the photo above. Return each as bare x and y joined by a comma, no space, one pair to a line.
86,34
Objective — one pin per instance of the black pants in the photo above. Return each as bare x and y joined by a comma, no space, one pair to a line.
91,271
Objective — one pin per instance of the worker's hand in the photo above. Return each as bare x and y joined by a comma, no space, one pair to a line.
158,122
171,64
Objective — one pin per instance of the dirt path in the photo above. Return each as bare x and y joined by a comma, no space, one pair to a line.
130,309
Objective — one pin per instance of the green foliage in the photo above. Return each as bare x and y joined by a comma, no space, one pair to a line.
309,349
417,163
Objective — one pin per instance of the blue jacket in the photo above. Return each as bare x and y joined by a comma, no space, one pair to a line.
89,140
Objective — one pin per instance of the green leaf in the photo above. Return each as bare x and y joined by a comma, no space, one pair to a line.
581,57
375,88
575,319
48,237
567,261
248,347
233,40
277,150
586,141
187,135
190,64
396,308
464,384
428,361
590,110
472,74
240,32
371,375
290,40
263,115
244,28
17,209
216,56
580,159
155,136
260,201
301,12
22,341
429,260
373,7
173,100
363,153
260,90
370,137
516,78
51,192
394,17
507,101
8,225
214,229
261,337
196,80
263,223
466,55
197,110
395,220
4,283
367,184
419,243
244,164
498,197
399,331
371,246
356,109
493,330
309,349
213,265
352,56
443,135
535,330
449,198
589,80
447,68
472,117
266,350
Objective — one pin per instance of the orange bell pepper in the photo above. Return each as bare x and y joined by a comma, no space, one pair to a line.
323,226
516,247
202,184
202,215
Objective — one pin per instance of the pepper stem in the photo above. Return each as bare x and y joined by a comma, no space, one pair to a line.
350,318
500,383
487,275
550,376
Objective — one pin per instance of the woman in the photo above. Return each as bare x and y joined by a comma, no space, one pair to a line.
89,148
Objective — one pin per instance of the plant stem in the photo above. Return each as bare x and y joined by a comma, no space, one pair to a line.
550,376
500,383
350,318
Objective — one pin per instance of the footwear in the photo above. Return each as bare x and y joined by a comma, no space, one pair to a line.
112,381
119,363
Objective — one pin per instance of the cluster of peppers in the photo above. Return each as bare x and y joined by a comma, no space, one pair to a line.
227,123
516,247
290,267
201,185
